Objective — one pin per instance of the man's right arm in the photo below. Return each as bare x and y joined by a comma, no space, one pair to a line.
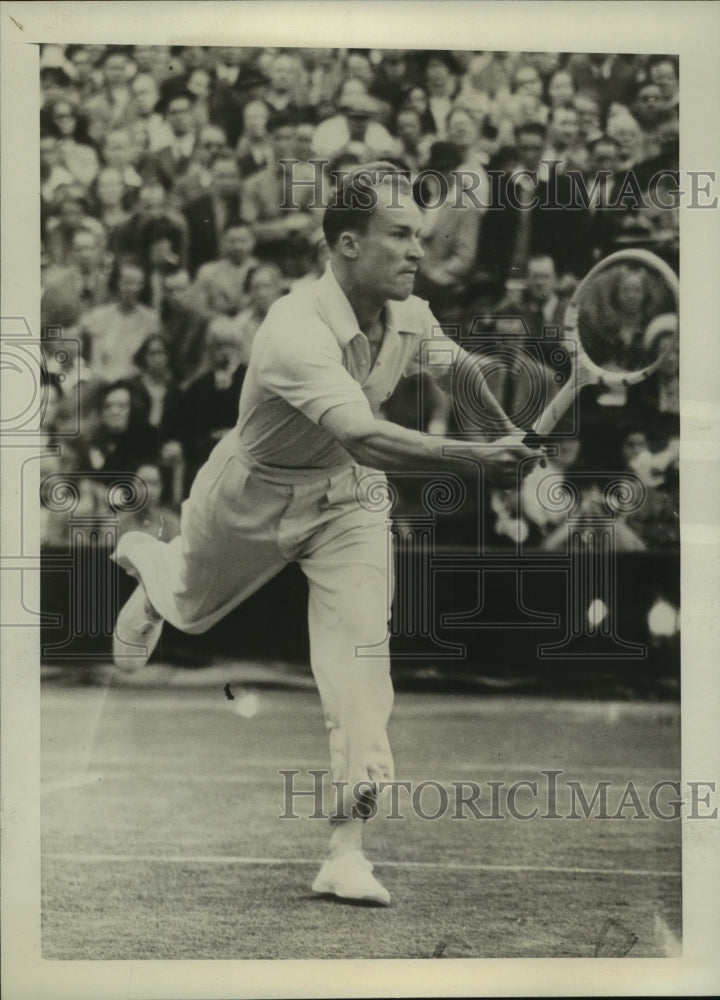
389,447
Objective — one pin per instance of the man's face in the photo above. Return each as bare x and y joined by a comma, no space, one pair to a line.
130,284
115,71
283,142
255,118
85,252
117,150
527,81
282,74
390,251
176,285
150,475
239,244
408,128
179,116
225,178
588,115
437,73
146,93
461,129
530,150
565,127
358,66
116,410
663,74
210,143
110,187
605,156
264,289
64,118
541,279
561,88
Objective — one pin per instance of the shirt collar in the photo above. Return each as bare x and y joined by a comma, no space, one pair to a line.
339,313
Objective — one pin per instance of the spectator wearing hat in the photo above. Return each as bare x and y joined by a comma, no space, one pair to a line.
283,235
210,214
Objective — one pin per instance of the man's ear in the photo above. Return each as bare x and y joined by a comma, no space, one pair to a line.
348,245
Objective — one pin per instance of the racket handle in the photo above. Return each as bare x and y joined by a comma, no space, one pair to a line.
557,406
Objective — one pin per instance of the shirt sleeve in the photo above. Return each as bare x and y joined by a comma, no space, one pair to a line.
435,353
303,364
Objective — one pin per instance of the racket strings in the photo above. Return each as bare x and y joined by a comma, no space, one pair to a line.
627,317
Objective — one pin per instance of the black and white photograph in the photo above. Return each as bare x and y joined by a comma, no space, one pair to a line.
360,471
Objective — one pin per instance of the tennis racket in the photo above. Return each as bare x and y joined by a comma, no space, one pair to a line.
621,325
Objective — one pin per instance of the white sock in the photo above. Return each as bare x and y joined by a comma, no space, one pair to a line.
346,836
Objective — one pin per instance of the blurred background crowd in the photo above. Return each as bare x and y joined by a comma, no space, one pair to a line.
164,244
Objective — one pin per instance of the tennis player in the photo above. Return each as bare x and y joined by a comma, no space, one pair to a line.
287,484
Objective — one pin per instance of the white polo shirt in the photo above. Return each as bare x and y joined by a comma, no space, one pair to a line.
309,356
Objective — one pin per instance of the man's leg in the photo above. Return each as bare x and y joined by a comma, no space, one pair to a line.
349,570
227,549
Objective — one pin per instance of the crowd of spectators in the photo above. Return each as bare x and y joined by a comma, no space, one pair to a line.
169,228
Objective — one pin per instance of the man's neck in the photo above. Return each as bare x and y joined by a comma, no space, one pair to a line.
367,309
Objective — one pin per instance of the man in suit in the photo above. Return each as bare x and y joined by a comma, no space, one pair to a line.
209,215
170,163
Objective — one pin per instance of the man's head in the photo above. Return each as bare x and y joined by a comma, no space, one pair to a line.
373,231
146,94
225,176
238,244
564,127
282,129
110,187
461,128
664,74
408,127
541,277
588,109
64,116
153,356
527,81
224,347
176,286
85,250
151,476
130,284
115,68
255,119
265,286
283,73
117,149
605,154
359,67
530,141
211,141
561,88
179,114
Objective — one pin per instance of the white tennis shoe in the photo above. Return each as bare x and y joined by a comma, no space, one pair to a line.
137,631
349,876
